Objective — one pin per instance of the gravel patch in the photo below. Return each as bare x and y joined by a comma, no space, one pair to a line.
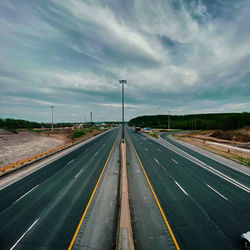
15,147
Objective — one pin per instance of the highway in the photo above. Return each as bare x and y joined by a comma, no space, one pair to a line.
206,203
43,209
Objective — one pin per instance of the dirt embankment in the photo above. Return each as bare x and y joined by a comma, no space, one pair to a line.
211,140
15,147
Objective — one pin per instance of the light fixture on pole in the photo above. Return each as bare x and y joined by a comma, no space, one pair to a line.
52,123
122,82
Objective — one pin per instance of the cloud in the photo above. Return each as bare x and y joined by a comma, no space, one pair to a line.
176,55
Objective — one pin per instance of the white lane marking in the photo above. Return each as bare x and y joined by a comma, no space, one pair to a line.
158,149
208,168
146,149
70,162
96,153
86,149
24,234
156,160
103,145
217,192
25,194
175,161
181,188
78,173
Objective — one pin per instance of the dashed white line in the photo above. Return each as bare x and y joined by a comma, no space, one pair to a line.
217,192
181,188
158,149
96,153
78,173
70,162
174,161
156,160
103,145
24,234
25,194
208,168
146,149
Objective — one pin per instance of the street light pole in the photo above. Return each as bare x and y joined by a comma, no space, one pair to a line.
168,120
52,107
122,82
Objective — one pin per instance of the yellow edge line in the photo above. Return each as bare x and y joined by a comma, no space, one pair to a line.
86,209
157,201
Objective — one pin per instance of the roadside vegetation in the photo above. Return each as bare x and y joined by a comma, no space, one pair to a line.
78,133
153,134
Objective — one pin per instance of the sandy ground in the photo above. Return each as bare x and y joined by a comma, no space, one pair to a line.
15,147
214,148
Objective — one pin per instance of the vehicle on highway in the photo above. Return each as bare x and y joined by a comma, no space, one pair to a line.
137,129
246,240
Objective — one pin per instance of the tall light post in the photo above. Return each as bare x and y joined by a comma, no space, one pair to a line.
52,107
169,120
122,82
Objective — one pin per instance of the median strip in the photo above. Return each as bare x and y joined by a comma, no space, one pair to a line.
125,234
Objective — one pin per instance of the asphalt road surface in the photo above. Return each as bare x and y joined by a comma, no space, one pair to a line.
43,209
206,204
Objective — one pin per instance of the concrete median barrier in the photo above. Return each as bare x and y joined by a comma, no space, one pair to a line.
125,234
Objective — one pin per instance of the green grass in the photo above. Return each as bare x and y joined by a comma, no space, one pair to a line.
78,133
81,132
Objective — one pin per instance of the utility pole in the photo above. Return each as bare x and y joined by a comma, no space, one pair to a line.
52,123
168,120
122,82
91,117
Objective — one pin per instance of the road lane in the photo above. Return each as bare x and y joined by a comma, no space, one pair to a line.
17,189
150,227
57,201
238,176
198,215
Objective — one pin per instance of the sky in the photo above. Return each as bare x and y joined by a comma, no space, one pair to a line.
182,56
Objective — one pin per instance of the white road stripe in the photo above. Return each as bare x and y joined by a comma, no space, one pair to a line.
181,188
208,168
24,234
103,145
70,162
79,173
175,161
156,161
96,153
146,149
158,149
25,194
217,192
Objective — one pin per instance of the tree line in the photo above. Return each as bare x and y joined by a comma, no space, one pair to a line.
225,121
14,124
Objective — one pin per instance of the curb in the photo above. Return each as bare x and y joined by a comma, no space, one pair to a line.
125,234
